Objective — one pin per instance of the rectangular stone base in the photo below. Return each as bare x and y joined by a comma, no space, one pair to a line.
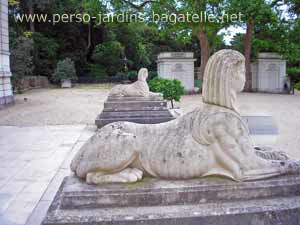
263,129
6,100
199,201
100,122
134,109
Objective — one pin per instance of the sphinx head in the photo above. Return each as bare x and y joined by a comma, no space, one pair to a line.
143,74
224,77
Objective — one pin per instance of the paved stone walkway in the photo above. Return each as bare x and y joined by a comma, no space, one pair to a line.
33,162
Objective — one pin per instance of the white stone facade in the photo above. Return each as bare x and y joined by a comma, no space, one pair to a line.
6,94
269,74
179,66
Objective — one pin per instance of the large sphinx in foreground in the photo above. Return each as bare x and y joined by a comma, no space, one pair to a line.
211,140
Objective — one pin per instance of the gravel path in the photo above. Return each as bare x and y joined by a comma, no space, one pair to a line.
81,105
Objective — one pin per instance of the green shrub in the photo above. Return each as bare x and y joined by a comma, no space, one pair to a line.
97,71
132,75
109,55
152,75
294,73
171,89
45,54
21,59
65,70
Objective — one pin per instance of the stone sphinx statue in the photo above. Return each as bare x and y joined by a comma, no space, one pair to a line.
211,140
139,88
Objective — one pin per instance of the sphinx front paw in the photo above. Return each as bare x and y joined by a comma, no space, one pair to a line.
128,175
269,154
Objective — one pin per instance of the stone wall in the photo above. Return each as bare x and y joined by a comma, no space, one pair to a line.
269,74
179,66
31,82
6,94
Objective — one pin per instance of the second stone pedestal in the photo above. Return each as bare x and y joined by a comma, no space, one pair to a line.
134,109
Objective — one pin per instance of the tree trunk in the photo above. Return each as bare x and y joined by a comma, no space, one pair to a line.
205,52
31,12
250,28
172,103
89,36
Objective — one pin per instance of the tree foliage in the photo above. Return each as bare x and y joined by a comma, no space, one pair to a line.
172,90
65,70
22,57
45,54
98,50
109,54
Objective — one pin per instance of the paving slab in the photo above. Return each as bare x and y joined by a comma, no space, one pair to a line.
33,164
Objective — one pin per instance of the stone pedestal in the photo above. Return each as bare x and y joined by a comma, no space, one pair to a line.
269,74
179,66
263,129
6,94
134,109
66,84
159,202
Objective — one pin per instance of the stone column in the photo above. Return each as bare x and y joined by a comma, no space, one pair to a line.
269,74
6,94
179,66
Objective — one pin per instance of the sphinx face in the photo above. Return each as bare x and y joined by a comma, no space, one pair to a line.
239,78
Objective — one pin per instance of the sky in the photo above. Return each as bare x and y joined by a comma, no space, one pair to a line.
230,32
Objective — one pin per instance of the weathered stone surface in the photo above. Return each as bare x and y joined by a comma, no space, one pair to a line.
213,201
66,83
261,125
137,89
211,140
179,66
263,129
135,98
144,110
126,105
134,103
269,74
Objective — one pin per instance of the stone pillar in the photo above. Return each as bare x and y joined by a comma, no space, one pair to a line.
269,74
6,94
179,66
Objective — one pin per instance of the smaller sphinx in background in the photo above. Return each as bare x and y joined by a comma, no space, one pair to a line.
139,88
134,103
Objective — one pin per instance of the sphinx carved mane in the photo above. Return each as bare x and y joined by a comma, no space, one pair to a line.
217,80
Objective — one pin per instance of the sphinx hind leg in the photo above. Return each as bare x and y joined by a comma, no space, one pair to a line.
128,175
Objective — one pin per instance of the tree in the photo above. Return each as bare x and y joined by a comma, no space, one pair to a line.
172,90
45,54
276,35
254,12
92,8
21,59
206,32
109,54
